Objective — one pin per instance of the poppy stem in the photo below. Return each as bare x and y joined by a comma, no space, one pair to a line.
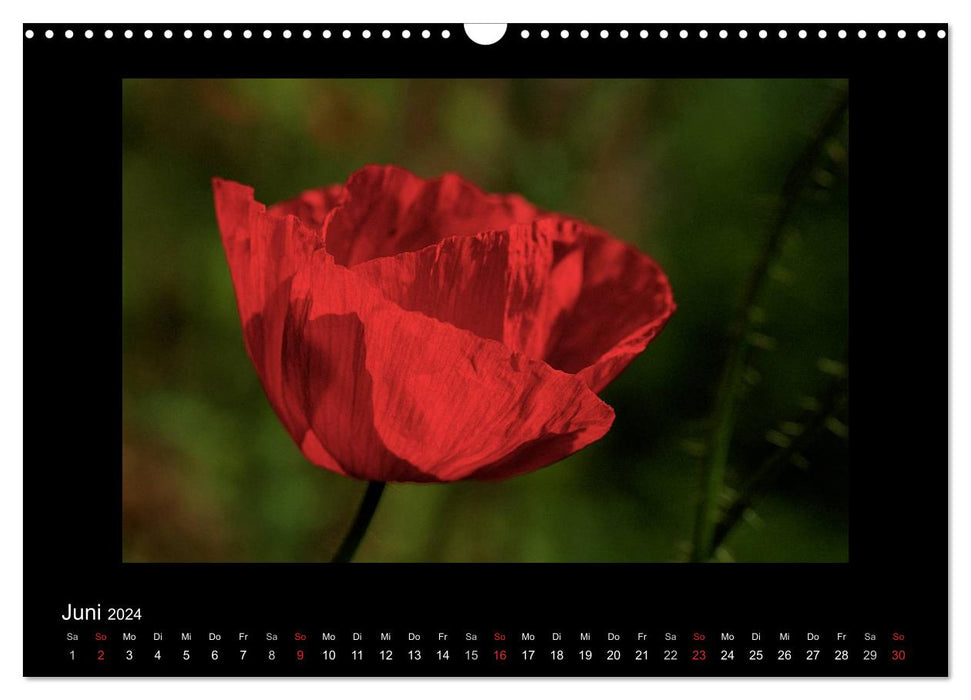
361,521
710,503
758,482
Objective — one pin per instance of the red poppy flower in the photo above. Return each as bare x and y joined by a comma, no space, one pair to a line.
422,330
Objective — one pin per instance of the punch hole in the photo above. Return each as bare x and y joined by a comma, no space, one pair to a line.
483,34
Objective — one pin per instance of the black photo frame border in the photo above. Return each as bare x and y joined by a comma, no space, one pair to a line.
897,576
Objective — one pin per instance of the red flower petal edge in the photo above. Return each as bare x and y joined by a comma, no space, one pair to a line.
422,330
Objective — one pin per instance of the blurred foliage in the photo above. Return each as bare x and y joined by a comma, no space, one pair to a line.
690,171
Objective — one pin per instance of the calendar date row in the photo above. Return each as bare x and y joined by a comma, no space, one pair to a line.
414,655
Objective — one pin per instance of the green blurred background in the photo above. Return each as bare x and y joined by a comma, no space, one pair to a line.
688,170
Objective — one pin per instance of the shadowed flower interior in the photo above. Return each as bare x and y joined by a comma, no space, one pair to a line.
421,330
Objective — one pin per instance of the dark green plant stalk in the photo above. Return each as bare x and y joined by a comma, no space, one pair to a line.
361,521
730,384
831,400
